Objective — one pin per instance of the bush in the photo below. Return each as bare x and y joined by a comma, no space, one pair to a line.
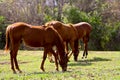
114,43
74,15
2,32
101,32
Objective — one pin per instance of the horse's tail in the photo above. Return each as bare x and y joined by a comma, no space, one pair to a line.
7,45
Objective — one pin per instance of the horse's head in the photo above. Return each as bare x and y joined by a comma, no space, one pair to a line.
63,62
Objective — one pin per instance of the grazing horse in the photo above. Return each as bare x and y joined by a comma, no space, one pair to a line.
35,36
67,32
83,29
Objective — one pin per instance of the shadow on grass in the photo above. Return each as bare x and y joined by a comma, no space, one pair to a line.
97,59
19,62
88,62
47,73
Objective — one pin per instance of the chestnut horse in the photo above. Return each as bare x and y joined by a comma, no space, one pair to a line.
34,36
84,30
67,32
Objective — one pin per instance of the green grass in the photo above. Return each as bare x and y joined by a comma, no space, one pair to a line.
100,65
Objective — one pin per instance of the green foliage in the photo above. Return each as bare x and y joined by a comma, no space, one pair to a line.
103,15
74,15
114,43
101,32
2,32
48,18
48,15
96,33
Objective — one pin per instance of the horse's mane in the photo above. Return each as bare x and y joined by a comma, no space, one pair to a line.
54,23
20,24
71,25
82,23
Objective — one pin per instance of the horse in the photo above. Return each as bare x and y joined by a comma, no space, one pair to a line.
67,32
34,36
84,30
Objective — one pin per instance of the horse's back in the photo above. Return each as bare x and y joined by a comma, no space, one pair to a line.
38,36
16,30
83,25
17,27
65,30
31,35
71,31
83,29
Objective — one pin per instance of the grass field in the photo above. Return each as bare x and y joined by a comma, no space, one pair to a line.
100,65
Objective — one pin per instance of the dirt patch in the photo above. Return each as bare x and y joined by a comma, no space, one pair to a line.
4,62
19,62
24,62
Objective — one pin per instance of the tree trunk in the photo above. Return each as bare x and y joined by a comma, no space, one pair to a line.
60,5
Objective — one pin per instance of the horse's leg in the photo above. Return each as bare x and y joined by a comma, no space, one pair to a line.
56,57
12,61
86,45
70,55
86,49
73,49
76,52
44,58
16,47
66,47
50,57
15,58
85,40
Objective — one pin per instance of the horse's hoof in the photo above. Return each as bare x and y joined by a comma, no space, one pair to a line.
43,70
20,71
14,72
75,59
57,69
64,70
68,60
82,57
51,61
